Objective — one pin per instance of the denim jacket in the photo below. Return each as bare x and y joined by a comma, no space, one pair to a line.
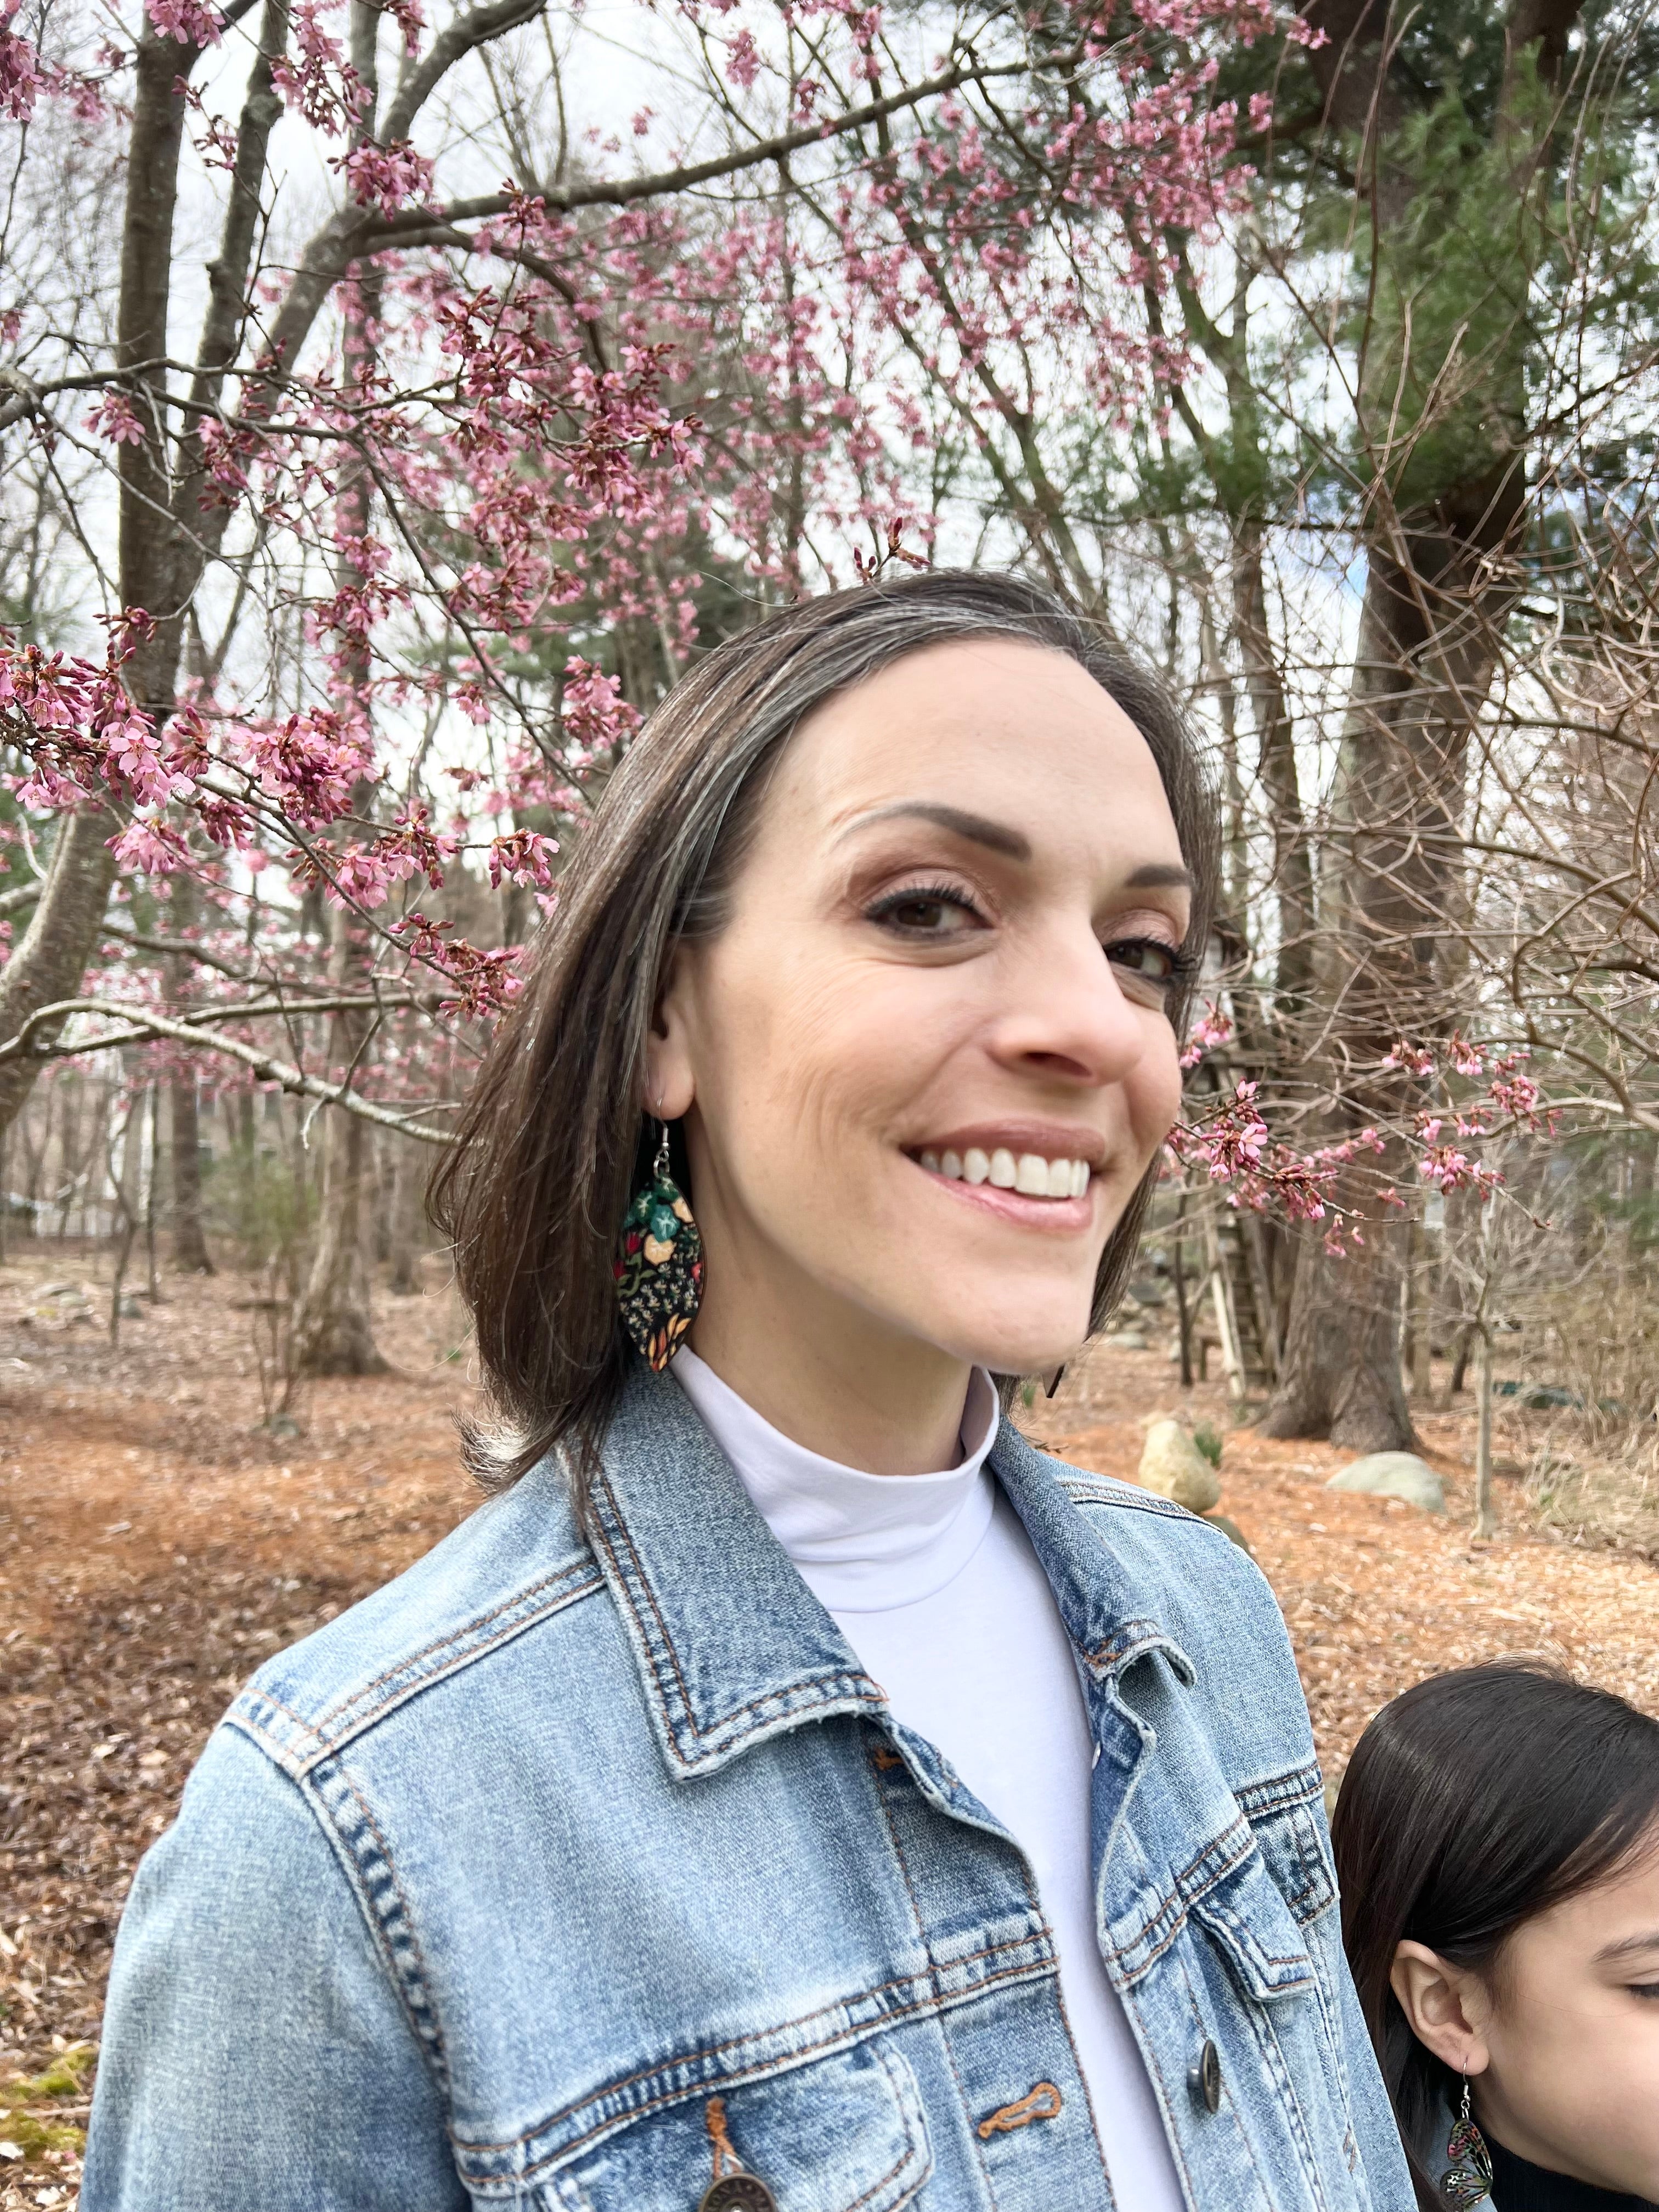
569,1872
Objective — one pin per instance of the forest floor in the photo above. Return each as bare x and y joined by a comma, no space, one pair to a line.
157,1543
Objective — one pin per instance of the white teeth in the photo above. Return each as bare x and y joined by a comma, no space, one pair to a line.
1031,1175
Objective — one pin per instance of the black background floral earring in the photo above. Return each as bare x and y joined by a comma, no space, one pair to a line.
1467,2178
659,1264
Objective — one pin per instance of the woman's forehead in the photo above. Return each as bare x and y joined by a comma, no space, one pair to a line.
1011,732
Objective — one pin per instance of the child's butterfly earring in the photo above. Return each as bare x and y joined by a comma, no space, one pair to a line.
659,1264
1467,2179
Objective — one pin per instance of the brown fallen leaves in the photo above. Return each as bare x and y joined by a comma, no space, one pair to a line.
154,1548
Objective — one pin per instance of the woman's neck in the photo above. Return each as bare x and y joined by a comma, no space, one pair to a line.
886,1407
1518,2186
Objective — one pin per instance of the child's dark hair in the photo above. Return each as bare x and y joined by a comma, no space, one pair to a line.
1473,1803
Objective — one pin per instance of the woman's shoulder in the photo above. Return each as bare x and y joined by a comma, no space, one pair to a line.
513,1565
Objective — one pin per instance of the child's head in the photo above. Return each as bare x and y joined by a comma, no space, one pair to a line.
1497,1845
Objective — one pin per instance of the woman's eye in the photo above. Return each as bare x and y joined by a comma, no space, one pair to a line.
934,912
1147,957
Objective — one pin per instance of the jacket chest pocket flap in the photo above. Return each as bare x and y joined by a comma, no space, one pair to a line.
1256,1932
842,2134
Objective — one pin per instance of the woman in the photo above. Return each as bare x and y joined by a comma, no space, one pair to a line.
1498,1841
792,1790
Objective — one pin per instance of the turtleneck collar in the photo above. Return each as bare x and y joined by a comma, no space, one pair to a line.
863,1543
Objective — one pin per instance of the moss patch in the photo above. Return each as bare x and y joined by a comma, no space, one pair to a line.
34,2137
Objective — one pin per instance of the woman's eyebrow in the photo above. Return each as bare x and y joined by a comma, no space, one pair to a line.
978,829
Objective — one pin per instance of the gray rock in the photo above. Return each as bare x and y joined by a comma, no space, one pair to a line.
1393,1474
1126,1339
1173,1465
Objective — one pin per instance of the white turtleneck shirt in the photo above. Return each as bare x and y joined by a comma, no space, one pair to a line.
933,1581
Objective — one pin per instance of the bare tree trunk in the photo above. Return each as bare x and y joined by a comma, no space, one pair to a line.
1183,1311
123,1180
1339,1373
408,1216
190,1251
152,1289
1435,594
1293,878
1485,1526
158,559
332,1331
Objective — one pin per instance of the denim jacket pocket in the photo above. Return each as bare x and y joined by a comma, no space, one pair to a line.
842,2134
1254,1929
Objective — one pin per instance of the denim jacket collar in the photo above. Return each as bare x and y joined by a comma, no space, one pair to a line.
732,1647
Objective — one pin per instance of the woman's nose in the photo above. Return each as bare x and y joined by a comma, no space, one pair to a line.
1067,1014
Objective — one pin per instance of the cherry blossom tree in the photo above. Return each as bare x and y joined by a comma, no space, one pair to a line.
514,373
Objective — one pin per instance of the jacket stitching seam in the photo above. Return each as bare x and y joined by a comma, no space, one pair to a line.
433,2033
766,2069
690,2059
627,1583
574,1571
910,2151
1280,1792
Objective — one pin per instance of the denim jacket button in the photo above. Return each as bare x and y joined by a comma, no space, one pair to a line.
1204,2079
738,2192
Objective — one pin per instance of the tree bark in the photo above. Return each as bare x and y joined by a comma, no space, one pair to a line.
190,1251
1339,1372
332,1331
1436,593
408,1181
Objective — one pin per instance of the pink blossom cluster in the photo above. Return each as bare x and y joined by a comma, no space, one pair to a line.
187,20
22,77
387,177
1214,1027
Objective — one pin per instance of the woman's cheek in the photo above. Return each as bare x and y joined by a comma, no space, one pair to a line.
1154,1089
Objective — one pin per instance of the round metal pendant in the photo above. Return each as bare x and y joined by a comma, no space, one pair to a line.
738,2192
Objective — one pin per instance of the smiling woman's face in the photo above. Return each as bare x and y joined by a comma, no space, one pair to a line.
929,1057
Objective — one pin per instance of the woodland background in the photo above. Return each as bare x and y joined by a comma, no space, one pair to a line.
391,405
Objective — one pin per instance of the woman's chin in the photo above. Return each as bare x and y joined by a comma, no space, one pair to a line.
1036,1347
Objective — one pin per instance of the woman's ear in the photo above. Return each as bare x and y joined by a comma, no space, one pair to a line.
670,1084
1446,2007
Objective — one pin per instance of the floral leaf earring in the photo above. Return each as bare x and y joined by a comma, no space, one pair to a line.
659,1264
1468,2180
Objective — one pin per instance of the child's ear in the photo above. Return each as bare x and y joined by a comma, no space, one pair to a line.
1446,2007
